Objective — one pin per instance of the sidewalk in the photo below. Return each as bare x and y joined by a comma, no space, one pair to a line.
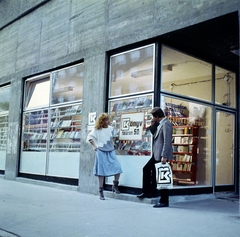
28,210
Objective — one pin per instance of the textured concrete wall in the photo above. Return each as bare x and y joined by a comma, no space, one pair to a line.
63,31
10,10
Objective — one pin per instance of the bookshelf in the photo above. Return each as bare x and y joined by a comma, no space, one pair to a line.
3,132
65,129
185,152
58,129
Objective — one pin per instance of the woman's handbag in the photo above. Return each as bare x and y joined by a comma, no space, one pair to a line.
164,176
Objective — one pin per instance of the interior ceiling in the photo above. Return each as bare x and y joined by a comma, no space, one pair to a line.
211,40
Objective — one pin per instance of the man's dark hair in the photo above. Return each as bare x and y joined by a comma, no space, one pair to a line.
157,112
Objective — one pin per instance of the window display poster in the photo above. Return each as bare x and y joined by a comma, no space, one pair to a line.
131,126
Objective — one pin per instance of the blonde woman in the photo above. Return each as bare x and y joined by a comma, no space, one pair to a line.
106,162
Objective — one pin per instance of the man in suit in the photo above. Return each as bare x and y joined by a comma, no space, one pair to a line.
161,128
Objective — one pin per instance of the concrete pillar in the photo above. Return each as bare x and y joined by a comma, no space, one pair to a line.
94,101
13,140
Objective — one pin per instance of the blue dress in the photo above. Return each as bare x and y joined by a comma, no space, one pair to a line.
106,162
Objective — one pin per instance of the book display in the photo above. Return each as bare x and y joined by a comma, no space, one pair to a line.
185,151
129,146
35,127
62,133
184,144
65,129
3,132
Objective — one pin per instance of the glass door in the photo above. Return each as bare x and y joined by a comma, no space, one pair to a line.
225,152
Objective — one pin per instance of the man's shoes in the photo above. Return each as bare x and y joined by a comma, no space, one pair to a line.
144,195
160,205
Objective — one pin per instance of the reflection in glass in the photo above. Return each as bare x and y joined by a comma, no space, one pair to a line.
186,75
4,98
67,84
37,93
191,141
141,104
132,71
225,148
225,87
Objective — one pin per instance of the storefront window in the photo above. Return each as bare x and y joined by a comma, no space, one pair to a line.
67,85
51,135
225,148
4,99
4,111
191,140
3,140
131,117
186,75
132,141
225,87
37,93
132,72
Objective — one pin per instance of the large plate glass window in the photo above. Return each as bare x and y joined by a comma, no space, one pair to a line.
132,71
4,111
133,142
225,147
67,85
191,141
130,118
186,75
37,93
52,124
225,87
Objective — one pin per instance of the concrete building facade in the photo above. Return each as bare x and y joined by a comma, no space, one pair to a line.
44,38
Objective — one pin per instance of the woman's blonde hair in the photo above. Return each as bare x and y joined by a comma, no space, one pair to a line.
100,120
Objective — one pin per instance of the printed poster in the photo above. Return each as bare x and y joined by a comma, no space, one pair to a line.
131,126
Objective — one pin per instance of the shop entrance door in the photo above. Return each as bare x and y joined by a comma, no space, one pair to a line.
225,153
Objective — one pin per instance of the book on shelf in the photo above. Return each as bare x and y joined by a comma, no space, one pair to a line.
182,148
53,135
131,104
55,113
44,136
115,106
59,133
124,106
148,102
120,105
72,134
140,102
189,168
177,140
185,140
54,124
79,111
66,123
59,124
77,135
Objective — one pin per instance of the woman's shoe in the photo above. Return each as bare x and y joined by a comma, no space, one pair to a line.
101,196
115,187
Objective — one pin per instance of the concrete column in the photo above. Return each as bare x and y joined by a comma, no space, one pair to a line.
93,101
13,139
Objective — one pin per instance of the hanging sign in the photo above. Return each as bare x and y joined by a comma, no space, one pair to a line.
131,126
